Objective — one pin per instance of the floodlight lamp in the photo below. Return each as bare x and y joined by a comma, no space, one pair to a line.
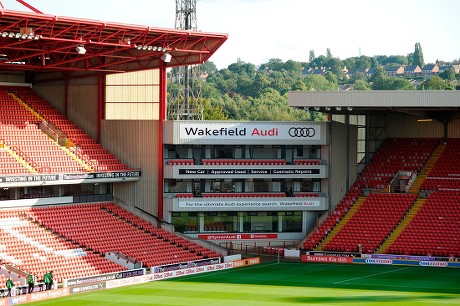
338,108
166,57
327,108
316,108
350,108
4,34
150,48
80,49
11,35
18,35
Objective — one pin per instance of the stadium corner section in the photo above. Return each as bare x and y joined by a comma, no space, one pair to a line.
126,278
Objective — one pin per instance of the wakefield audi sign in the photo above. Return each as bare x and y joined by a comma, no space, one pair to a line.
266,132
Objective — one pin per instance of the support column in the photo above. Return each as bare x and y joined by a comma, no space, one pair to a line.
161,119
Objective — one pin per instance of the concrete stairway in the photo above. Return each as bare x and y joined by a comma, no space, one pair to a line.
401,226
350,213
432,160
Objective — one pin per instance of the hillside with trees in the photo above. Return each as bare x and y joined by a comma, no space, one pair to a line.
244,91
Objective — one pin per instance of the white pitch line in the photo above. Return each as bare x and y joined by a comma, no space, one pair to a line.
350,279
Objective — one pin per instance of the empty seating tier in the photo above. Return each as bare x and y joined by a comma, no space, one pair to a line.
72,240
19,130
435,230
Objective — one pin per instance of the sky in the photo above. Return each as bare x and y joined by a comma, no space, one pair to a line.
260,30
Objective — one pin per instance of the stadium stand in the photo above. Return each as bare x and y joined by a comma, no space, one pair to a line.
424,223
434,230
371,223
446,172
78,153
72,240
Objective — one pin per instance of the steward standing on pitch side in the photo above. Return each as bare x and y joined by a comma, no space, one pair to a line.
31,282
9,285
47,280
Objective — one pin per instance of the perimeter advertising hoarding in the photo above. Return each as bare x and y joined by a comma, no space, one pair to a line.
201,132
103,277
327,259
246,262
36,296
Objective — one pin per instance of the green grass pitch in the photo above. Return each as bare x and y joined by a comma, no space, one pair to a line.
289,283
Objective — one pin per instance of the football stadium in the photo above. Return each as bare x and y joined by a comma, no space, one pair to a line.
104,201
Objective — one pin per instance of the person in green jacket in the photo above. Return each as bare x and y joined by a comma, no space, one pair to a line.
31,282
51,279
9,285
47,281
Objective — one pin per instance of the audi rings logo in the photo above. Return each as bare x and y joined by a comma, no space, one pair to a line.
301,132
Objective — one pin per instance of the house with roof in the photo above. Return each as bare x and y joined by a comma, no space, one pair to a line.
353,72
430,69
412,70
315,71
456,68
394,70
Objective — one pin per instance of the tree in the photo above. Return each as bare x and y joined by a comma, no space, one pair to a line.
319,82
213,112
361,85
328,54
418,55
336,67
331,77
311,56
436,83
448,74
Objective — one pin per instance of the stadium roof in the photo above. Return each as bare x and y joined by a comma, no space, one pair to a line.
436,104
33,41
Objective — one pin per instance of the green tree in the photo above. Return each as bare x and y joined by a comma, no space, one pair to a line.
362,85
448,74
319,82
418,55
436,83
331,77
335,66
209,67
293,68
363,62
328,54
213,112
311,56
241,67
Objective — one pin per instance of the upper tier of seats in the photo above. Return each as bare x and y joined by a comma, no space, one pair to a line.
394,155
19,131
445,174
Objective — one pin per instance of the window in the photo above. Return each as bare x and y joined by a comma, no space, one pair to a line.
292,221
